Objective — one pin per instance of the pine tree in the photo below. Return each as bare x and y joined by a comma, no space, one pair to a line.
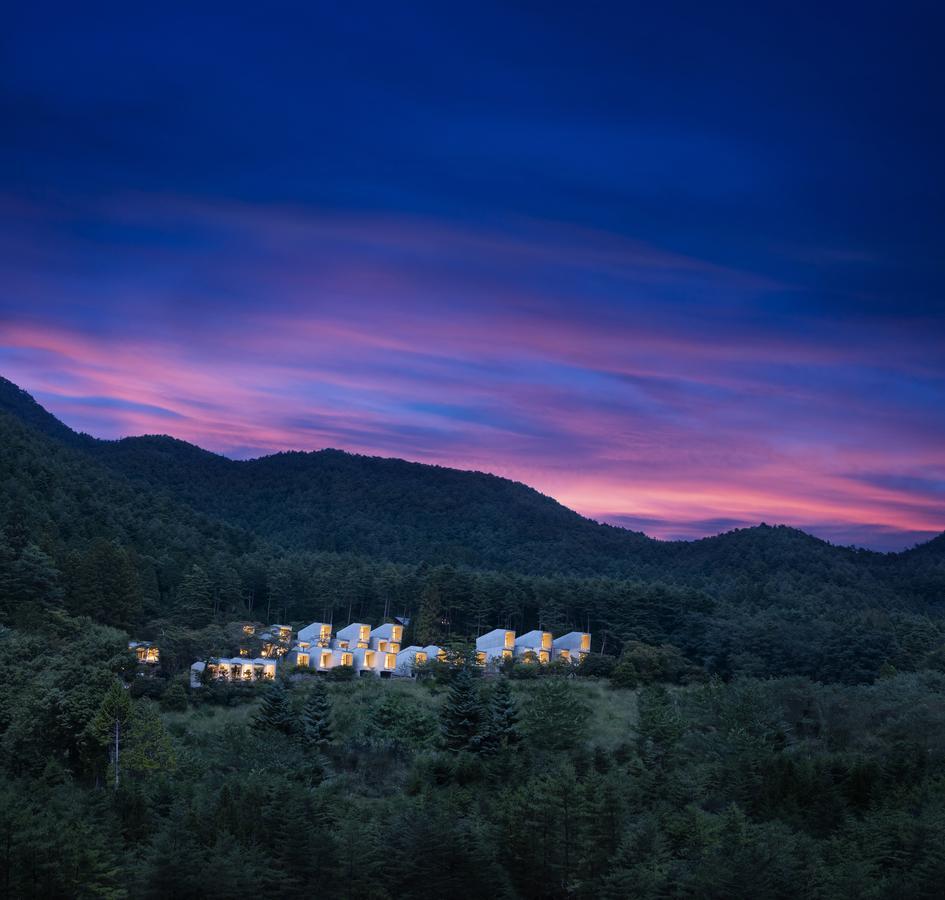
32,587
110,723
175,698
275,713
195,598
463,717
149,747
555,715
503,718
429,627
316,717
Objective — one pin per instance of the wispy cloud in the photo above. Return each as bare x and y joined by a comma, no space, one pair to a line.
638,386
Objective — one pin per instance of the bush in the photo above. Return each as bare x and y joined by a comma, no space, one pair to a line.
342,673
642,664
152,688
175,698
595,665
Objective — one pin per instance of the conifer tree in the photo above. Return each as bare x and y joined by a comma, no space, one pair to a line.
463,717
503,718
316,717
195,598
110,723
275,713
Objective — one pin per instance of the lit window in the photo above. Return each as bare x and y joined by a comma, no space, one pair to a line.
382,646
585,642
391,661
543,656
347,659
510,639
303,659
546,640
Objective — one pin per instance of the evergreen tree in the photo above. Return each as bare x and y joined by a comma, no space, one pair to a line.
148,747
102,583
316,717
429,627
110,724
275,712
554,718
503,730
32,587
463,716
195,598
174,698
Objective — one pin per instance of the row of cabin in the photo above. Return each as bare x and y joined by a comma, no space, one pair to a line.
369,651
378,652
236,669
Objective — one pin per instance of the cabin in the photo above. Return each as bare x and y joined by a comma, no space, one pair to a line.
145,652
434,653
572,647
317,634
386,638
539,643
356,635
407,661
299,654
495,646
236,668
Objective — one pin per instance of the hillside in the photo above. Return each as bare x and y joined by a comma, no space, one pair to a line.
300,535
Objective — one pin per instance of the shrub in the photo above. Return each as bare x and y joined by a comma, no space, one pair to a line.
342,673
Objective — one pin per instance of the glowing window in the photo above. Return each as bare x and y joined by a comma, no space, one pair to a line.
347,659
303,659
420,658
326,660
546,640
585,642
382,646
391,661
543,656
510,639
396,633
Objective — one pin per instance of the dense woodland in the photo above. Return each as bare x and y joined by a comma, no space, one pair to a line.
761,708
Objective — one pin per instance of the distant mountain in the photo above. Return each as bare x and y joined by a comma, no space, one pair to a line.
332,501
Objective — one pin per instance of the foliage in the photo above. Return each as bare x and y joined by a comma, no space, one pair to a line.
275,711
464,720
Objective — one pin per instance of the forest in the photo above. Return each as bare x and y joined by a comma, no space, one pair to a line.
761,715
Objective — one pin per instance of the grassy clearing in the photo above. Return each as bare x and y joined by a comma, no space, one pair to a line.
612,722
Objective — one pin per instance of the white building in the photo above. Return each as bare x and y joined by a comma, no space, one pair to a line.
495,646
355,636
235,669
407,661
573,646
386,638
434,653
318,634
538,643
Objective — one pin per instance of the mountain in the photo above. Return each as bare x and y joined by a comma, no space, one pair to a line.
303,535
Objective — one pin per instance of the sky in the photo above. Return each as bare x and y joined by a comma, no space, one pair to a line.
678,265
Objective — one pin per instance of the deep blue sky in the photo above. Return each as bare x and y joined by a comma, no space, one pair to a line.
678,264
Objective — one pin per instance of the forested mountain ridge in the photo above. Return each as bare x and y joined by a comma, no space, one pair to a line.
203,539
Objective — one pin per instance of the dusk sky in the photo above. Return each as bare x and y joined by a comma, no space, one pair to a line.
678,265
